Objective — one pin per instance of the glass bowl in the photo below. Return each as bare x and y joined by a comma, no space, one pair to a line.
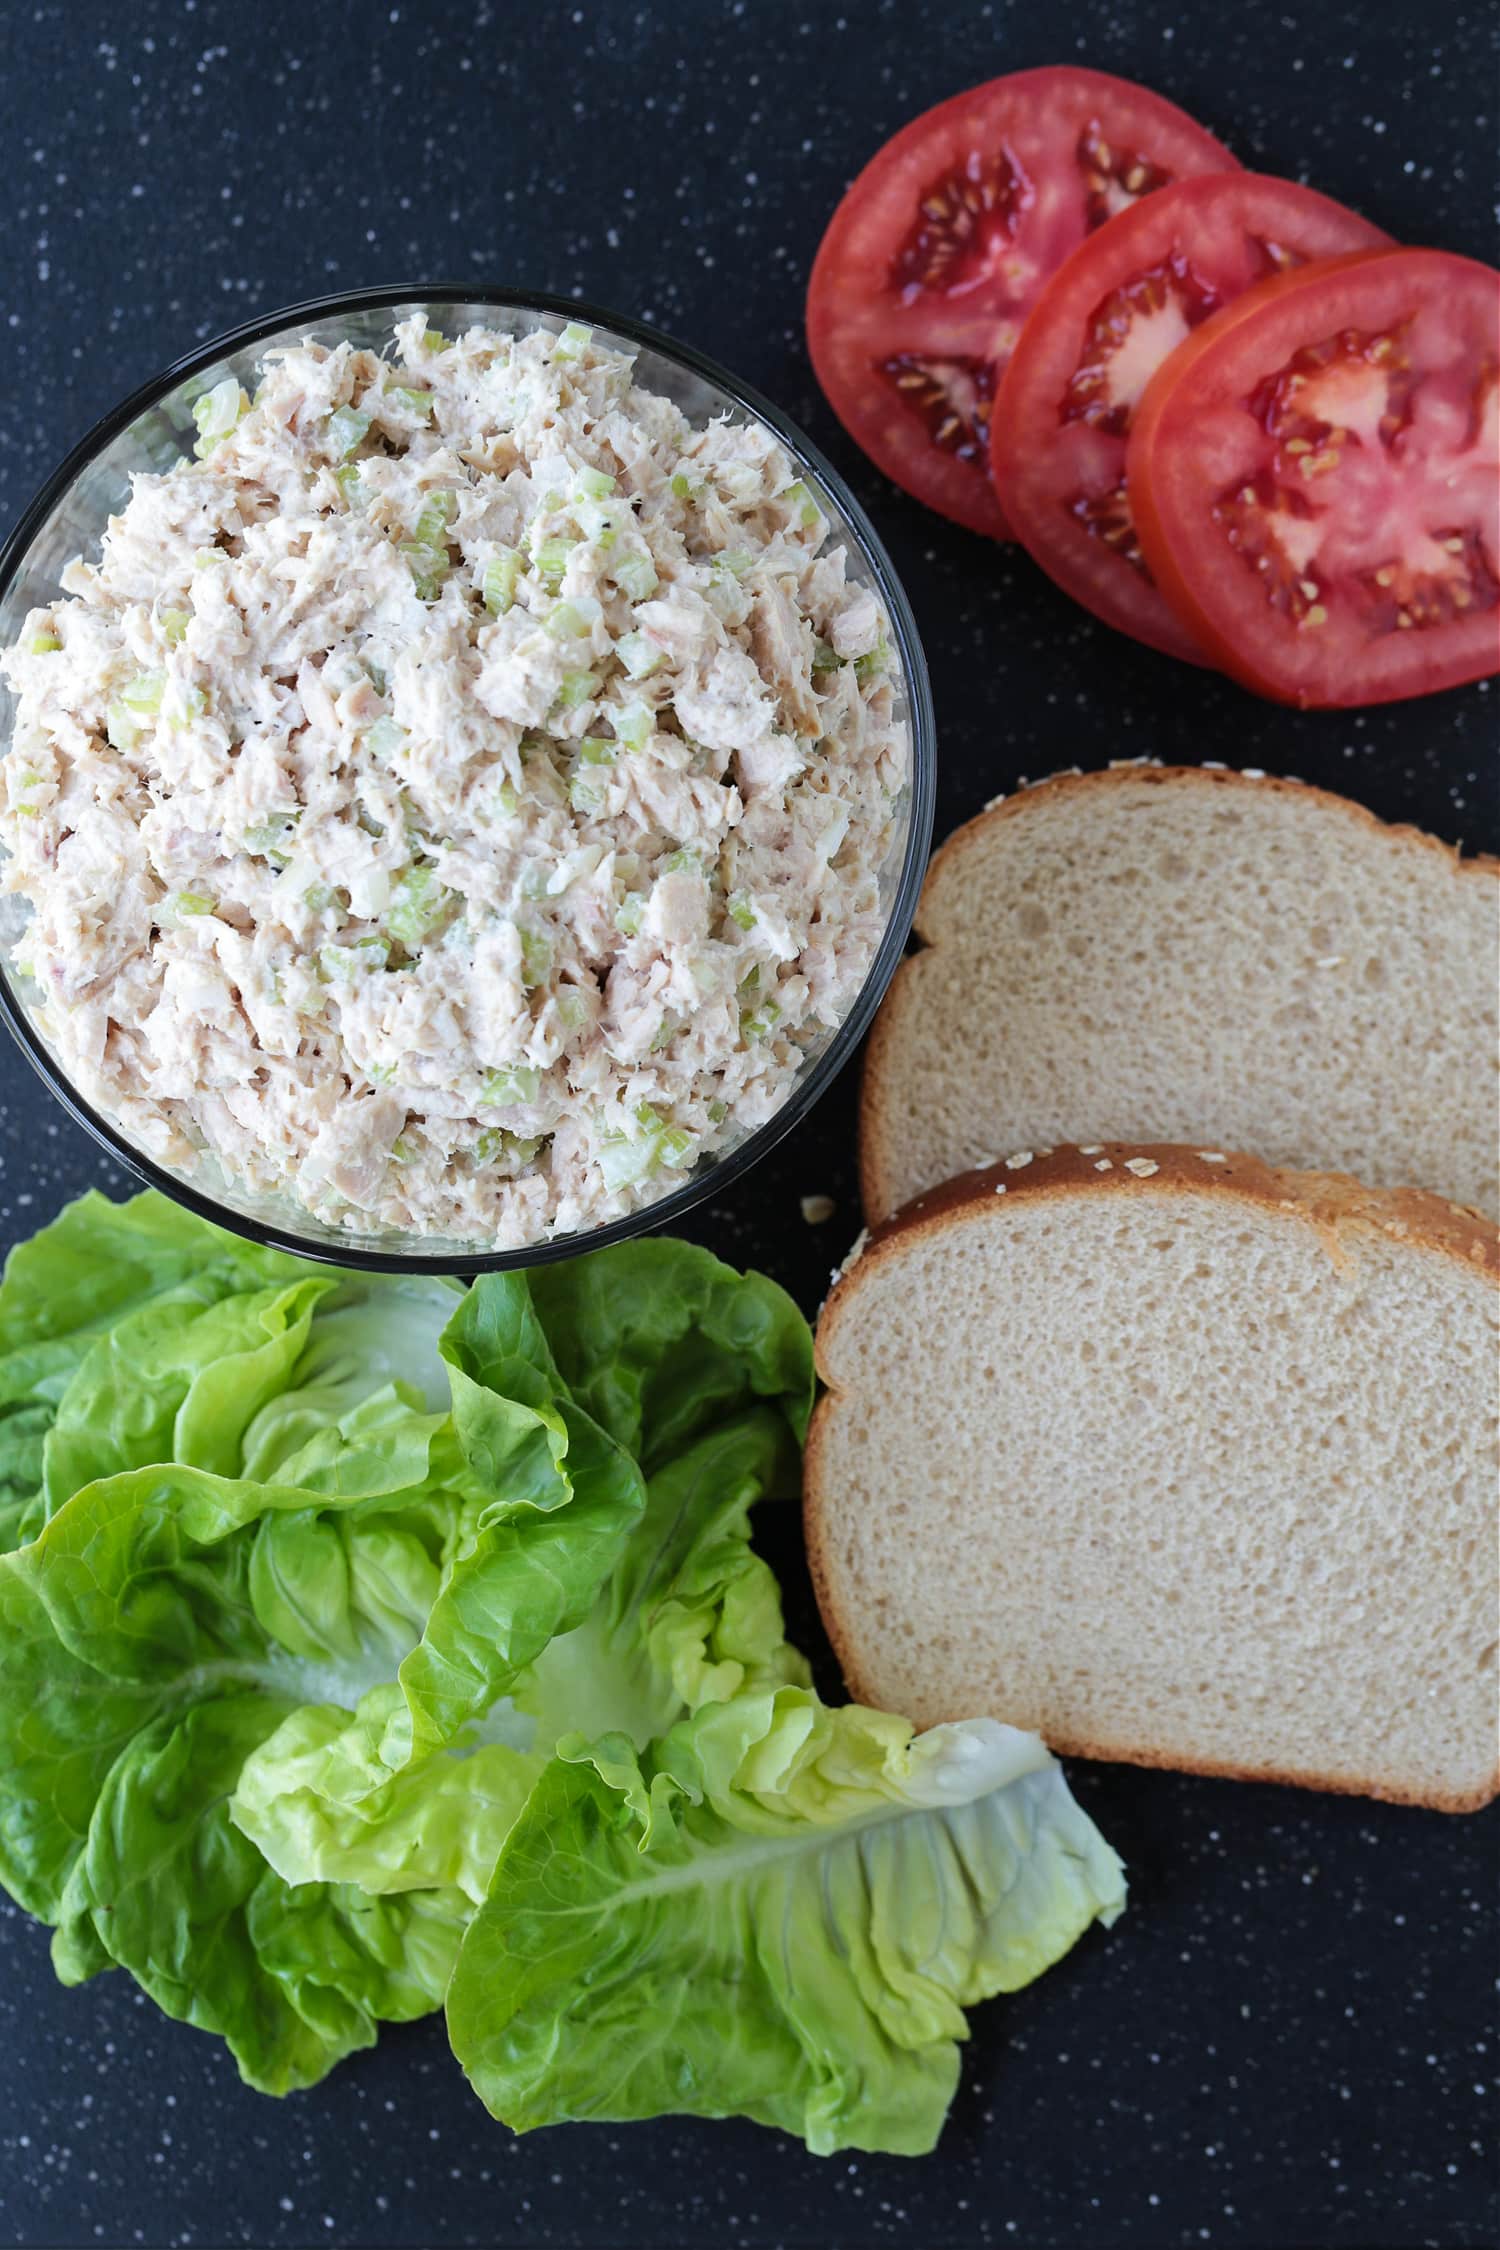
150,430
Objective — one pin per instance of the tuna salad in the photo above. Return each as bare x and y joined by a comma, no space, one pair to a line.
454,799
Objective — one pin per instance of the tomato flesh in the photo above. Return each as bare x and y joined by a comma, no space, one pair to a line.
1106,322
942,245
1316,480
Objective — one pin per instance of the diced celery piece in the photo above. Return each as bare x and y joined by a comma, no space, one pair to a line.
717,1112
185,903
551,558
190,703
576,688
571,621
375,674
346,960
639,656
584,795
402,1150
634,724
433,340
174,624
384,738
535,877
759,1026
741,911
318,897
437,513
875,660
497,584
803,505
420,403
593,484
216,414
347,427
496,1146
824,659
682,863
573,342
381,1074
347,479
429,566
674,1147
736,561
573,1010
418,904
508,799
43,644
503,1089
682,487
623,1161
146,691
666,1031
536,957
635,575
628,914
122,726
598,750
272,835
651,1118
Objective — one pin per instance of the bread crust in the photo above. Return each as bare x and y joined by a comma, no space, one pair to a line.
1340,1209
874,1167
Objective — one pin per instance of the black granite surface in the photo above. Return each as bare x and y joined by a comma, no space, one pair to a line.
1289,2039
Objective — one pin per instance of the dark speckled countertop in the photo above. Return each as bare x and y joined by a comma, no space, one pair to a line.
1289,2039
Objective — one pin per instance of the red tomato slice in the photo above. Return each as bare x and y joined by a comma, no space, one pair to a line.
1105,322
941,247
1315,479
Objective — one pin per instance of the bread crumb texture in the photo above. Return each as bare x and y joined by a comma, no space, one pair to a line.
1196,956
1204,1474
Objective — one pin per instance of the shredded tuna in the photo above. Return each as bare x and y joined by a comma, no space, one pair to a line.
456,802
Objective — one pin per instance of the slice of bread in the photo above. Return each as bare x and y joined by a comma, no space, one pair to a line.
1177,1459
1178,954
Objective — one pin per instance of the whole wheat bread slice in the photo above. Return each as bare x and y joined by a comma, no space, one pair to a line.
1183,954
1177,1459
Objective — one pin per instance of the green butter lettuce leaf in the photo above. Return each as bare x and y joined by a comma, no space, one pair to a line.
365,1638
660,1341
169,1889
95,1265
293,1512
780,1912
596,1618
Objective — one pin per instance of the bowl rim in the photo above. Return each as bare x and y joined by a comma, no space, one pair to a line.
716,1175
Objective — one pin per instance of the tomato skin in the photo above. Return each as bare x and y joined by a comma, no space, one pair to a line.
1203,434
858,317
1060,427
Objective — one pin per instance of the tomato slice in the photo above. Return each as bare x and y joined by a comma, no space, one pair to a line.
1315,479
1105,322
942,245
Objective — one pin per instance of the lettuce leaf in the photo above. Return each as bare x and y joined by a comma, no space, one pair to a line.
365,1639
97,1263
684,1612
780,1912
269,1507
168,1888
661,1342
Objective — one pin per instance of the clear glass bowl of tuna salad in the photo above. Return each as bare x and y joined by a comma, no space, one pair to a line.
466,773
